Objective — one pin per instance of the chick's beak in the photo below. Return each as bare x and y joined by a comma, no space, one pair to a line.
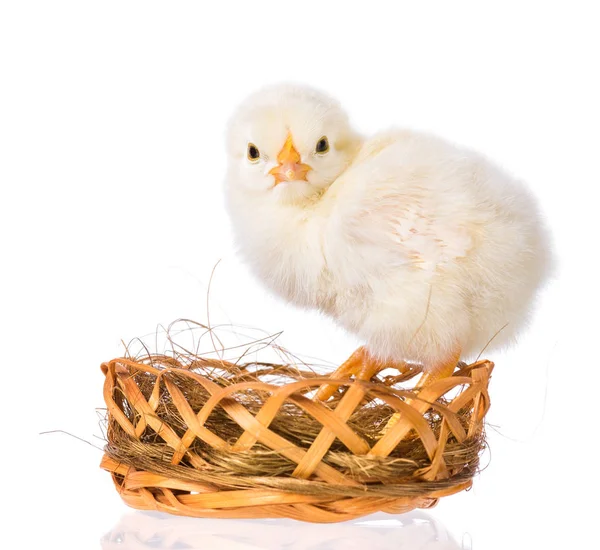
290,168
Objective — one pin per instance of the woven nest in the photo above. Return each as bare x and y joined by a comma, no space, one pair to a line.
209,438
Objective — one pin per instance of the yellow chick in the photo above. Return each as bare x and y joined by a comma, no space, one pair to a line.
424,250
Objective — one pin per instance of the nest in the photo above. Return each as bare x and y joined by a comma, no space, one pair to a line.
210,438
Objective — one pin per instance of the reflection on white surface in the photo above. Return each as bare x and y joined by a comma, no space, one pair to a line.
157,531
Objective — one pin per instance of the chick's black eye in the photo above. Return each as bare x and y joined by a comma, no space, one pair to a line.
322,145
253,152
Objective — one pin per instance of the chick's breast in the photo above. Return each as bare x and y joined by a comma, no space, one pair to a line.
430,248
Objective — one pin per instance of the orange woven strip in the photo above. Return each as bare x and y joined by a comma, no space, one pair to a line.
111,406
137,480
265,436
195,429
428,395
311,460
319,411
138,401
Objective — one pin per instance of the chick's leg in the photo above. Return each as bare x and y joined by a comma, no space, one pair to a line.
351,366
439,371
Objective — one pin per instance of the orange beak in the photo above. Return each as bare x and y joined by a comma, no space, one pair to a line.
290,168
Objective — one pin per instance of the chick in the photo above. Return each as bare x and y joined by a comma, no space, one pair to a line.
425,251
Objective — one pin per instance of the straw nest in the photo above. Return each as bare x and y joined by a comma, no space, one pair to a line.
211,438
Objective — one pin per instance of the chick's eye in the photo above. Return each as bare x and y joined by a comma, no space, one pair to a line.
253,152
322,145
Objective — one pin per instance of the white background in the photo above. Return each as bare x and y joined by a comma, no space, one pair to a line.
111,165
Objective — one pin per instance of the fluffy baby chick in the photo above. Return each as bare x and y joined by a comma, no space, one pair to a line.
424,250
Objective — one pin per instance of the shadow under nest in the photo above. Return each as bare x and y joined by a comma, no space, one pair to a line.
393,476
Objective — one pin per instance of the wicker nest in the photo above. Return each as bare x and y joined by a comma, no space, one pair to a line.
209,438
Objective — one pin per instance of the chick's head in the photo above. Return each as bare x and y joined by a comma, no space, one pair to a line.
288,144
